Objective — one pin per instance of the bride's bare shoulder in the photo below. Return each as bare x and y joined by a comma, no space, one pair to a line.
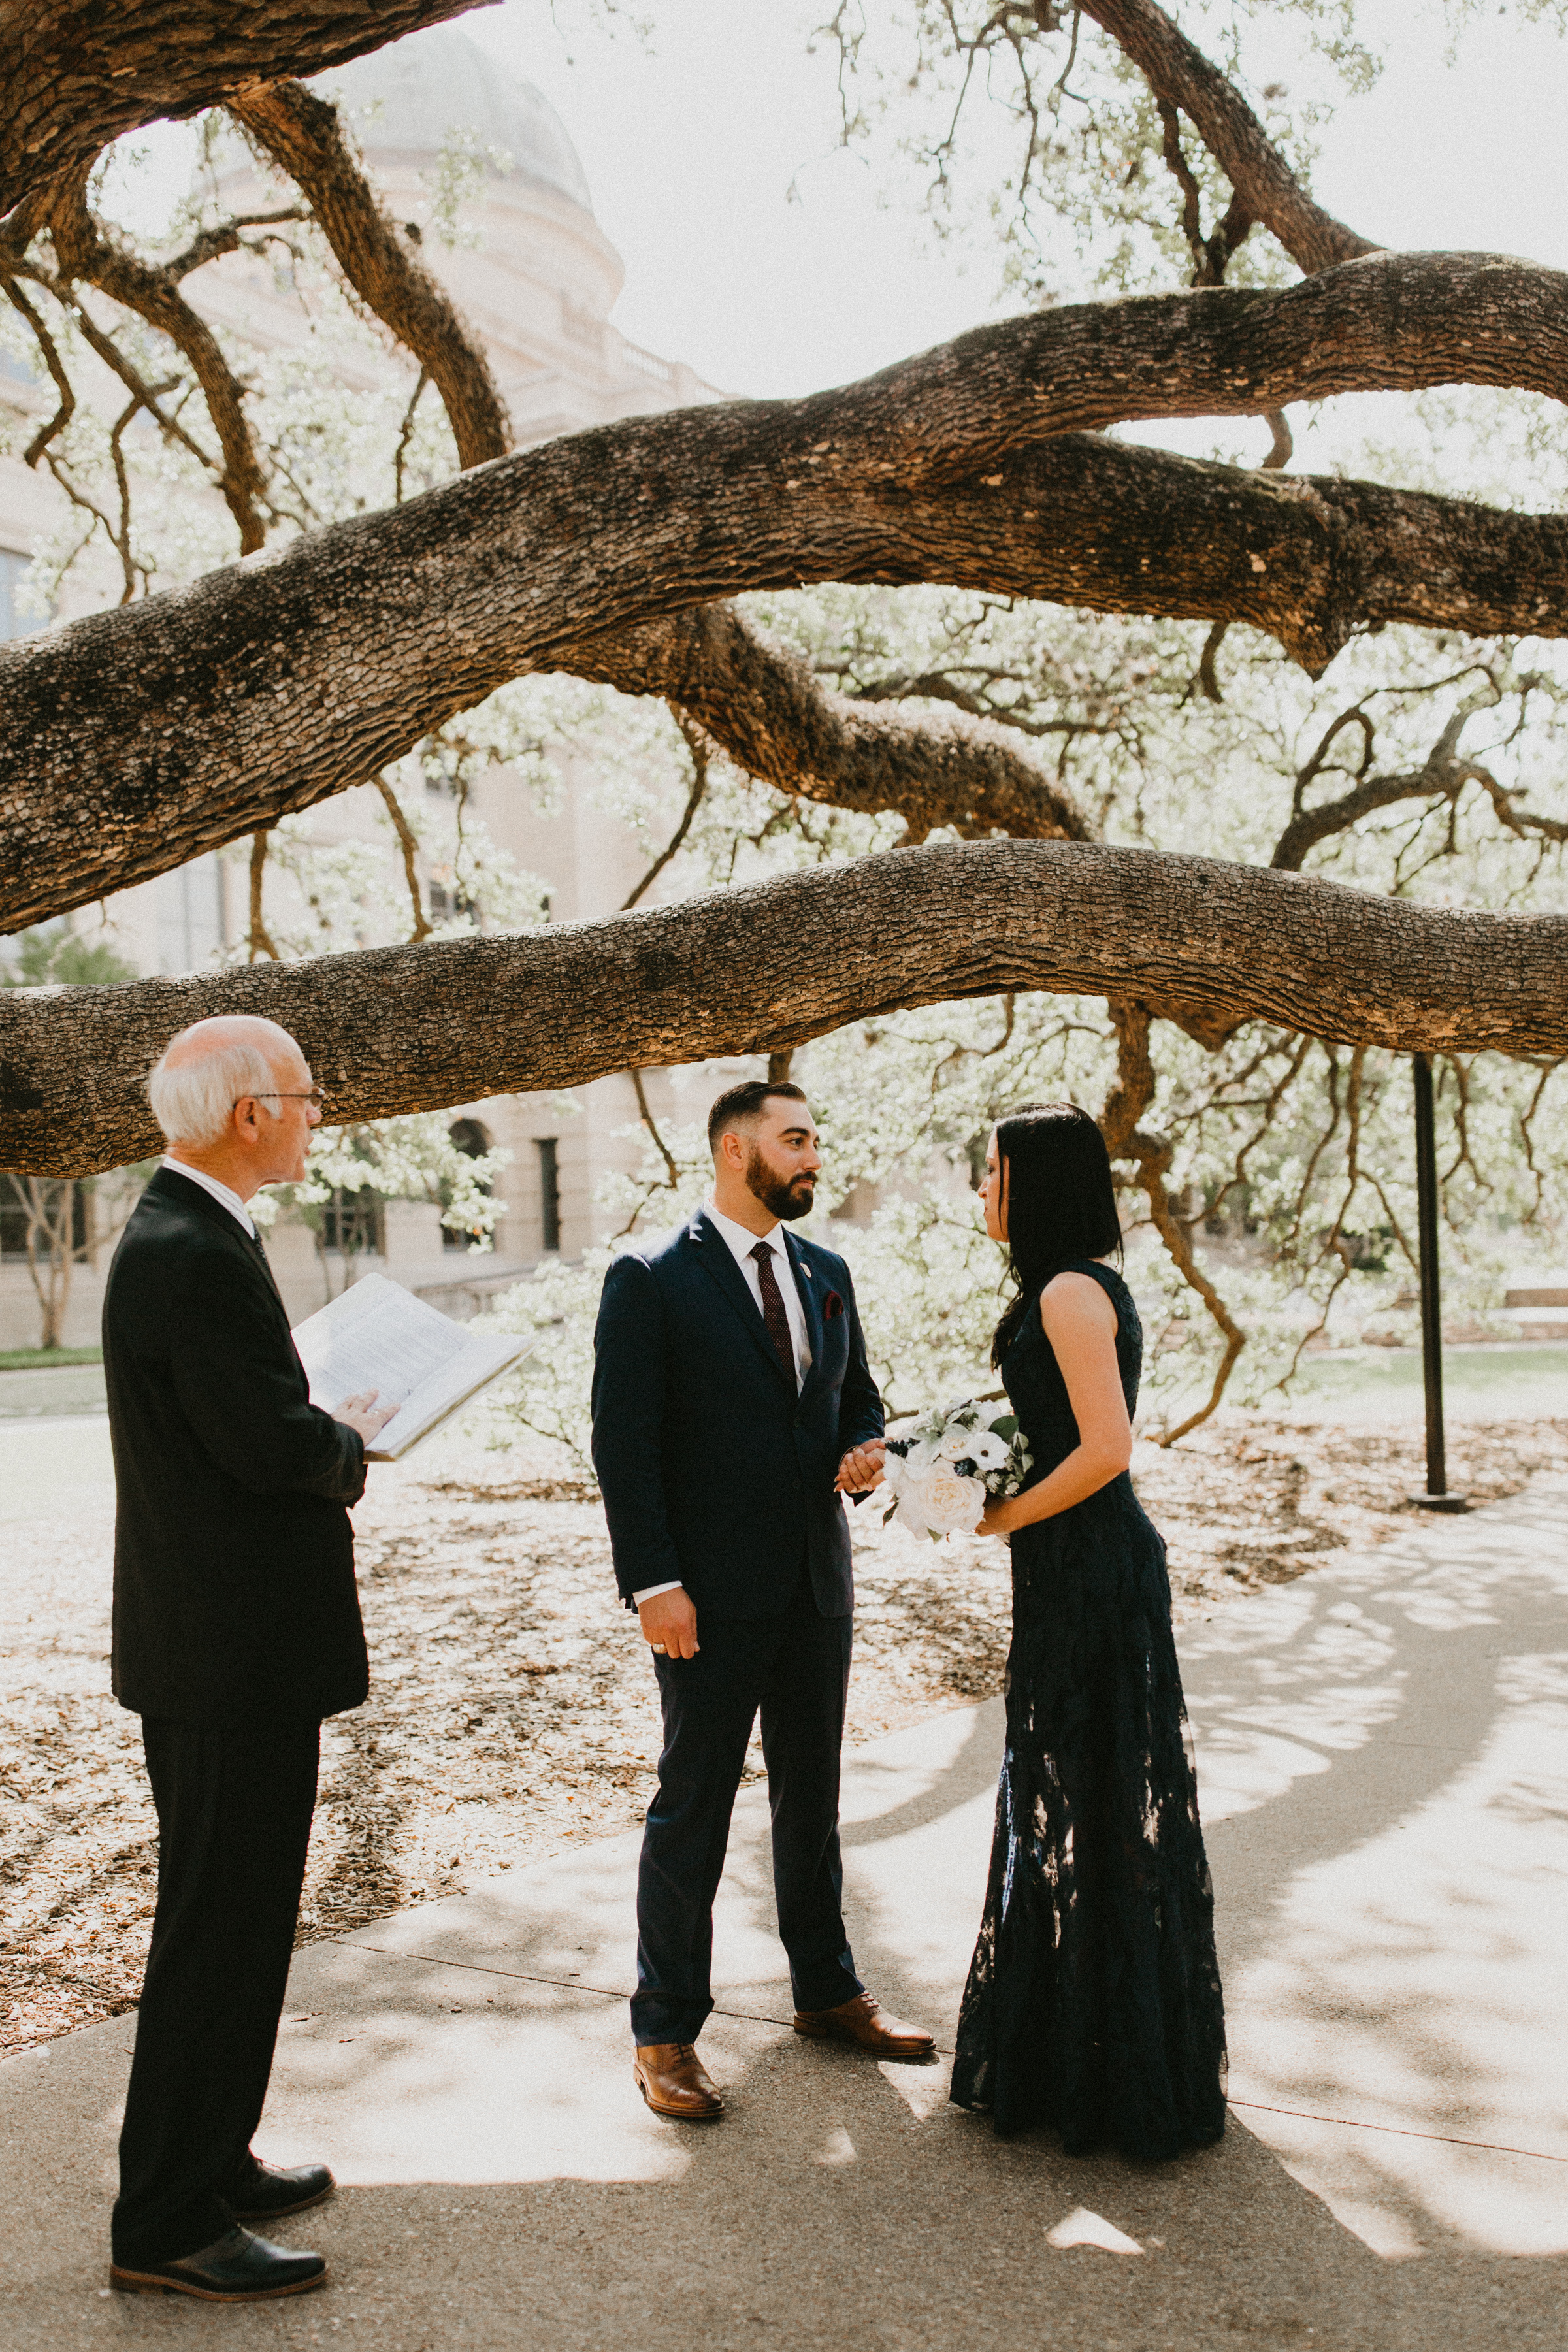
1070,1297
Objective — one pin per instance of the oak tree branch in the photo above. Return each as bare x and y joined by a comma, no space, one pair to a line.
768,967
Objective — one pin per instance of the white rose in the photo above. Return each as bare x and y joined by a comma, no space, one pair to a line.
945,1505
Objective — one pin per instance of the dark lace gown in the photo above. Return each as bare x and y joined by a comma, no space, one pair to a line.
1093,2002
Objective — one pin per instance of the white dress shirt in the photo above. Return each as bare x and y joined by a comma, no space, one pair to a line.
741,1243
222,1193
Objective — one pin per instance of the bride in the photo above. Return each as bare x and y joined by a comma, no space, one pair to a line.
1093,2002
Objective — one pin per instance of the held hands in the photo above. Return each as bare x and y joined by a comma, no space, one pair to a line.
364,1416
669,1622
862,1469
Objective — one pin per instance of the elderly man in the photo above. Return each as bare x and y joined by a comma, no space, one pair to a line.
236,1628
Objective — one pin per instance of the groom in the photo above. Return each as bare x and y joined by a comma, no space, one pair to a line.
731,1403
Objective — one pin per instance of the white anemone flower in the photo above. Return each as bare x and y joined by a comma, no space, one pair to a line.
988,1451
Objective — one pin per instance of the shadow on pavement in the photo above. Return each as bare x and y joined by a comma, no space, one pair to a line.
1384,1762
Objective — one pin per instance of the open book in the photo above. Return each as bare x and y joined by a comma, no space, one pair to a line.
377,1335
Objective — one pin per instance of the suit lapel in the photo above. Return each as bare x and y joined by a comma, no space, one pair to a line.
254,1243
809,1289
714,1255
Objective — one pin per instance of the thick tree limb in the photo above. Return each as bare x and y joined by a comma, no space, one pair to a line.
132,741
754,698
1181,75
75,74
136,738
764,969
302,135
762,702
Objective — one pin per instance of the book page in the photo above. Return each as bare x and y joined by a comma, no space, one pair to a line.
378,1336
482,1360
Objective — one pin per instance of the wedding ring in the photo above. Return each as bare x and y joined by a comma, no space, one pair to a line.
658,1650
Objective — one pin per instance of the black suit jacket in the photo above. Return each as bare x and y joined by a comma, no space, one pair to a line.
714,1472
234,1577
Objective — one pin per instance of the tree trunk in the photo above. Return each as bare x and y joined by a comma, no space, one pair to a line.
75,74
757,971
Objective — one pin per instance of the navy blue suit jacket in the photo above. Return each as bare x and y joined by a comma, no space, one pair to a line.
715,1472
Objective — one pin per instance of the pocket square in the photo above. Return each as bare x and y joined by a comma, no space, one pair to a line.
832,1308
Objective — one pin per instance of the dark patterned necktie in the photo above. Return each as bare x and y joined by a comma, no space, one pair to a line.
774,1313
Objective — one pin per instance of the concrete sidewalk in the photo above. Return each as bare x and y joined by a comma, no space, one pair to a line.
1384,1762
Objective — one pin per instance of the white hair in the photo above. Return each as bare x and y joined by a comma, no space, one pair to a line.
192,1100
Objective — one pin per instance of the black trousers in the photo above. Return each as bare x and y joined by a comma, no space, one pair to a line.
794,1668
234,1822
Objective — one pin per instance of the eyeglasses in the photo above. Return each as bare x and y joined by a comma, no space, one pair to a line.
274,1094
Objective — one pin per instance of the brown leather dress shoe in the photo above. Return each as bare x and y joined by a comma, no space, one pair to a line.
861,2022
674,2081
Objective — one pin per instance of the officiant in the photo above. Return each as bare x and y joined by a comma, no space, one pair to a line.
237,1629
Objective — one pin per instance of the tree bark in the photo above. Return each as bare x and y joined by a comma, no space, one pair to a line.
760,703
752,698
75,74
132,741
302,135
759,969
1178,72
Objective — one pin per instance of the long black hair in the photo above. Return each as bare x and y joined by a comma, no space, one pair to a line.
1060,1201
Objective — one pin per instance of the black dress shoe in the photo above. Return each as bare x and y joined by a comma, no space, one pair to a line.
235,2268
264,2192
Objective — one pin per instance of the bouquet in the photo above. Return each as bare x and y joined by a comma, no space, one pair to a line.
952,1463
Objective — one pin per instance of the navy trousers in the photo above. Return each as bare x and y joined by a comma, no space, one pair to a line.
794,1669
234,1822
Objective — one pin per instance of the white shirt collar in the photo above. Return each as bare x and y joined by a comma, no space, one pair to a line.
741,1239
225,1197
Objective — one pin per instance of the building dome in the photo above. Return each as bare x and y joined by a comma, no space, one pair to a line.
437,81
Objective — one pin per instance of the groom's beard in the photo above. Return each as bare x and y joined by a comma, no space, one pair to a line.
787,1196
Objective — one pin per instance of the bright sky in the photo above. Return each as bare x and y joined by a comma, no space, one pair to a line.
692,147
693,143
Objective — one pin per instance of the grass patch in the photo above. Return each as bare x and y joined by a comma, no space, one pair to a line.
1466,1369
45,1359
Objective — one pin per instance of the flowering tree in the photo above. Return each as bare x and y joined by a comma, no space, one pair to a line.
1093,762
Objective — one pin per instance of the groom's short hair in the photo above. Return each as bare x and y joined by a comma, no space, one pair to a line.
741,1106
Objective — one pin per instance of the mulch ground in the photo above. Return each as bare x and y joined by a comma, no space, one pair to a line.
512,1708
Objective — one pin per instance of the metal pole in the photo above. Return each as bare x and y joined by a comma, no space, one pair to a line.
1437,1497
